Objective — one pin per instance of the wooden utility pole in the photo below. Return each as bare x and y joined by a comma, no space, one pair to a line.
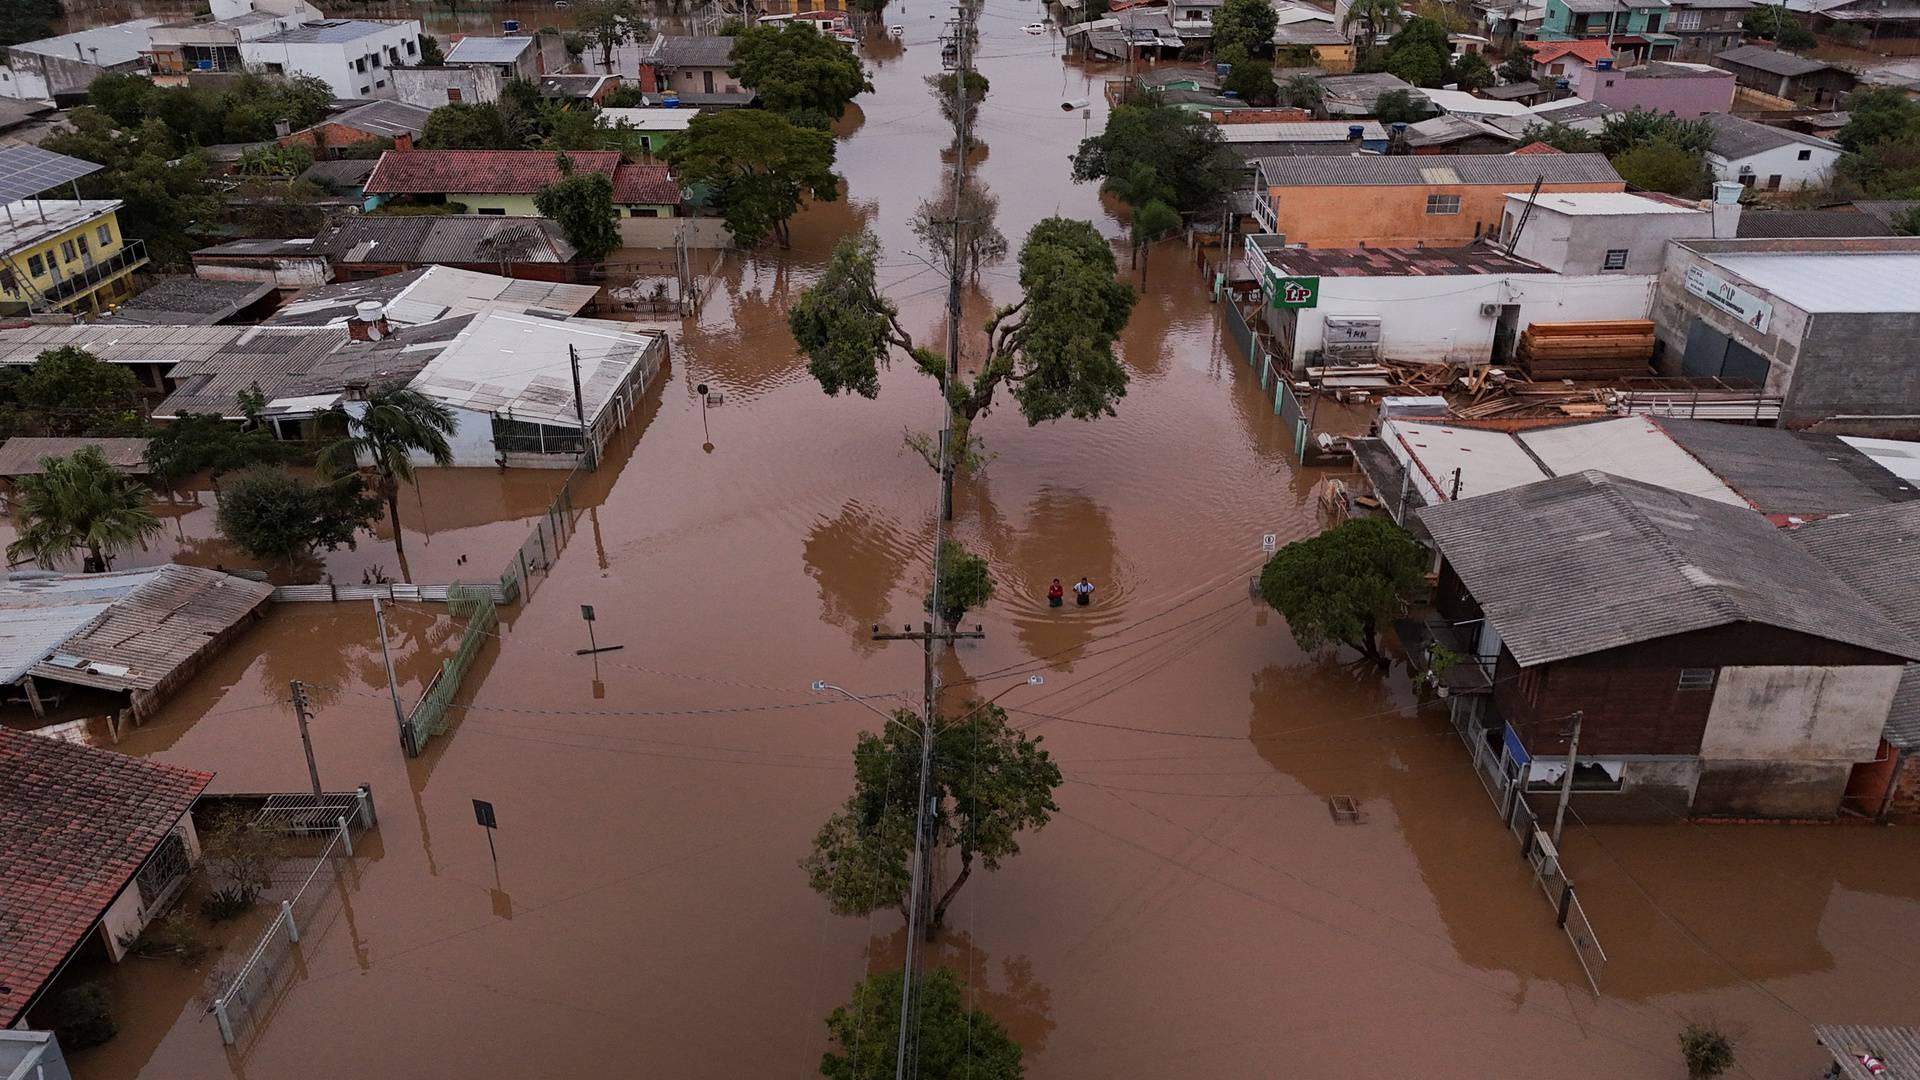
1566,778
306,740
580,410
393,684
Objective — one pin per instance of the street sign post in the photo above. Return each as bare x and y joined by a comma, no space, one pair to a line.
586,615
483,814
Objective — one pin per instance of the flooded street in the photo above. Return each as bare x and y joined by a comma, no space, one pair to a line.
1193,910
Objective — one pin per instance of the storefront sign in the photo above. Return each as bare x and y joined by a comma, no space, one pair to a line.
1293,292
1730,298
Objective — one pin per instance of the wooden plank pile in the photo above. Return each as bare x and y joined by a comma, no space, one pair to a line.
1586,350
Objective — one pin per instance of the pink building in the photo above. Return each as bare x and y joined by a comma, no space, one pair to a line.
1685,90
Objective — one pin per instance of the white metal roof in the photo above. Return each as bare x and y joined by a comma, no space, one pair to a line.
649,119
1602,203
1866,281
517,366
119,43
1459,101
39,612
1301,131
1632,447
1902,459
488,50
1488,461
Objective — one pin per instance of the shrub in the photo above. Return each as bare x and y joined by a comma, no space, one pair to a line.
83,1017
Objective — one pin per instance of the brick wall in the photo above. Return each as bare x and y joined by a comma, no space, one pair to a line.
1904,806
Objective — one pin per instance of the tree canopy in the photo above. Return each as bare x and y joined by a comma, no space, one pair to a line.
74,392
1398,107
943,88
466,125
1243,29
798,71
27,20
981,242
1340,585
164,187
609,24
1518,66
582,204
759,166
990,783
385,432
1252,82
1664,166
1303,91
1151,150
272,514
1472,72
1773,22
1882,140
965,582
955,1042
80,503
1374,17
194,443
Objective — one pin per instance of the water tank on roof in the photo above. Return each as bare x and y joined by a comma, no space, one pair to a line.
1605,63
1356,132
671,101
204,65
511,26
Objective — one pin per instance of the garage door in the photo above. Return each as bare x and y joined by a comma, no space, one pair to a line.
1712,354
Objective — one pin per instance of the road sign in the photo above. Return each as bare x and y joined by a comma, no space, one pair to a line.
483,813
1269,542
586,612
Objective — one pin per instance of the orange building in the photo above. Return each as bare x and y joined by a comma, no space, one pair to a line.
1438,200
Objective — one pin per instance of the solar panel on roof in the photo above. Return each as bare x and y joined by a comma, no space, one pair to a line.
26,171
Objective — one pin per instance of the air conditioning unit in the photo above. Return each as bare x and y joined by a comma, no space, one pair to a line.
1488,311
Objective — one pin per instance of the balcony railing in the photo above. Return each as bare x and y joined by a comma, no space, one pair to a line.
131,255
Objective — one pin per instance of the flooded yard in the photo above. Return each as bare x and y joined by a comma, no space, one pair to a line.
1193,910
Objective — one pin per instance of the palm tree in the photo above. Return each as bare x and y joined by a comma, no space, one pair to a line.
79,501
396,423
1305,92
1378,15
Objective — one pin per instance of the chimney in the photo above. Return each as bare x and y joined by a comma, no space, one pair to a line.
1726,209
369,322
282,128
403,142
649,81
356,391
1356,132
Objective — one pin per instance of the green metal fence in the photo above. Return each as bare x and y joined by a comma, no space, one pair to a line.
430,716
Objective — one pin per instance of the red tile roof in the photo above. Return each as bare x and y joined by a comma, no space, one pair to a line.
75,824
1590,50
494,172
645,184
1536,148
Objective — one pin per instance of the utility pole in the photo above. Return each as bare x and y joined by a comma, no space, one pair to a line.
1566,778
306,740
393,684
956,259
580,410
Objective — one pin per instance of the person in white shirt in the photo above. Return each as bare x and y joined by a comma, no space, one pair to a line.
1083,592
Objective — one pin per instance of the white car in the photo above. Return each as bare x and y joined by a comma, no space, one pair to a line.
897,30
1035,28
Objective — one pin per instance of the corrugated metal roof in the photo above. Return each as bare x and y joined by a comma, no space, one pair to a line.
1735,137
1590,562
1302,131
1631,448
1897,1048
1789,472
1878,551
130,344
22,454
330,32
1437,169
517,366
120,43
166,618
678,51
1772,61
1831,281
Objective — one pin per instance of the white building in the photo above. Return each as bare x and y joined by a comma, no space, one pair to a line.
1766,157
652,124
1607,232
211,42
1462,305
61,68
354,57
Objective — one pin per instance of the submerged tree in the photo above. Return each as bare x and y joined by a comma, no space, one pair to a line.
760,167
990,782
192,443
393,425
965,583
798,72
582,204
936,220
1151,150
1053,349
80,502
272,514
956,1042
1341,585
945,89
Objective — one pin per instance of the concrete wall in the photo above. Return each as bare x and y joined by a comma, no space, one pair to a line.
37,77
337,63
1743,789
471,441
1674,309
32,1055
1437,318
1904,804
1711,92
1578,243
427,87
1782,161
1860,365
127,916
522,205
282,273
661,232
1799,714
1394,216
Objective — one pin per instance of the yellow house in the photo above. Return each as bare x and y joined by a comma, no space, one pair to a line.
65,255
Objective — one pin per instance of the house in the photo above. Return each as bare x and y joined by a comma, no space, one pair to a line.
1409,201
1634,27
1354,95
1715,665
504,182
1526,93
93,845
1766,157
1507,21
186,300
526,249
1886,26
124,639
211,42
1786,76
521,386
22,454
1326,45
1304,137
432,87
1707,28
652,125
287,265
1452,133
678,65
1663,86
1824,323
1832,221
32,1054
513,57
1606,232
1464,305
594,88
59,69
354,57
426,295
377,121
1557,60
59,255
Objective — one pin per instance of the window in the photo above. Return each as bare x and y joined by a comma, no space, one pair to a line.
1806,155
105,233
164,869
1443,204
1609,82
1696,678
1557,69
35,266
82,240
360,64
380,85
1773,182
365,89
1587,775
1746,179
276,69
453,93
492,211
1686,20
66,251
410,47
1653,24
376,59
643,211
1616,259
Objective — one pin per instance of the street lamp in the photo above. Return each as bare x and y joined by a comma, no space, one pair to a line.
820,685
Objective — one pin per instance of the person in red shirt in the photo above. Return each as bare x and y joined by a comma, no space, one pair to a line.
1055,593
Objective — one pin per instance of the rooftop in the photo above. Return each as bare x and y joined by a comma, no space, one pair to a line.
1580,7
22,454
1303,131
384,118
1546,561
299,362
1772,61
674,50
645,183
31,221
108,46
1898,1048
117,344
474,49
341,173
649,119
330,32
1438,170
1395,262
1878,552
1841,221
1736,137
1459,101
1606,203
573,86
1674,69
1512,91
76,823
508,172
1826,278
453,238
1587,49
1792,474
517,366
432,293
1365,87
185,300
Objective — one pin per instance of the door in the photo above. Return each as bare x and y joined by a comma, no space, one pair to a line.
706,77
1506,330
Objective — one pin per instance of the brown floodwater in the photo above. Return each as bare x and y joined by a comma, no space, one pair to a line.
1193,910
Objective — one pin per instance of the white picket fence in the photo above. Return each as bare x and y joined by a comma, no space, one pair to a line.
392,591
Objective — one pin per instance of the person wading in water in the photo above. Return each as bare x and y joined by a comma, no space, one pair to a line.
1083,592
1054,593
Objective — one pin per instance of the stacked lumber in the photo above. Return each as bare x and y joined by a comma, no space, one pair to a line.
1586,350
